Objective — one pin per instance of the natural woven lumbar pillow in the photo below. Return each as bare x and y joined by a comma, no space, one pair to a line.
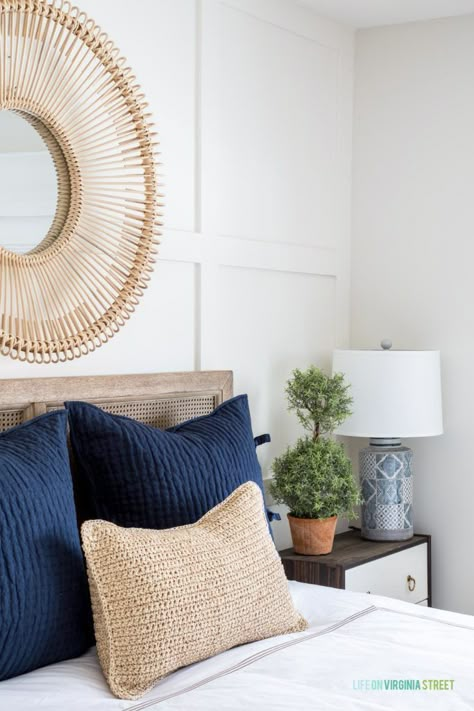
163,599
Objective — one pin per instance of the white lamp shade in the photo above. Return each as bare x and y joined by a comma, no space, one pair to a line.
395,393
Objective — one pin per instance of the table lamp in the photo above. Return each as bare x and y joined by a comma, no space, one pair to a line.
395,394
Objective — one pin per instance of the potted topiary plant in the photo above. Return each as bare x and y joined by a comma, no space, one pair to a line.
314,478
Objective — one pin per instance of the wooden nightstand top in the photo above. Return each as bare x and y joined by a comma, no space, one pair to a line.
351,550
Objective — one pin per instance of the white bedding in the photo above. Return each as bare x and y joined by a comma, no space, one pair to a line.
351,637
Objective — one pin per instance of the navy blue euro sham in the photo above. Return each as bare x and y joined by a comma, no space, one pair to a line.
44,600
135,475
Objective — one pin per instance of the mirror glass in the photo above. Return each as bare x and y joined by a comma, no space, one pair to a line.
28,185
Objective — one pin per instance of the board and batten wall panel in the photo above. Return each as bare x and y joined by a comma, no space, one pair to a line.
413,253
265,91
253,101
275,322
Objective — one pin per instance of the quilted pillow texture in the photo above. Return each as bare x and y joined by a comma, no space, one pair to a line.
44,599
135,475
163,599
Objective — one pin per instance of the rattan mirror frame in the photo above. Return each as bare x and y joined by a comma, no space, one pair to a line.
75,289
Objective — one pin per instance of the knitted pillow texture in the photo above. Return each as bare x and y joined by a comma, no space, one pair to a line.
163,599
45,612
135,475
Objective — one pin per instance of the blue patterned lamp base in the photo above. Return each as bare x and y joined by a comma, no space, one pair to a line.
387,493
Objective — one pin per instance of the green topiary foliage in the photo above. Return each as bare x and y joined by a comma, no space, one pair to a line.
314,478
321,402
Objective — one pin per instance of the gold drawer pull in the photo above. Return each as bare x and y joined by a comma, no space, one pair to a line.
411,583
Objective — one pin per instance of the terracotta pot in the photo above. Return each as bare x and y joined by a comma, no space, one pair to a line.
312,536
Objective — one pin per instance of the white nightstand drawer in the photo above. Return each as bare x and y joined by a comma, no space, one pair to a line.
402,575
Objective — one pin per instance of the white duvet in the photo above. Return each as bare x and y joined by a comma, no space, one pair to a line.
354,641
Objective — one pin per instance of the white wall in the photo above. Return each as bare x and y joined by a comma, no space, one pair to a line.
253,100
28,184
28,197
413,253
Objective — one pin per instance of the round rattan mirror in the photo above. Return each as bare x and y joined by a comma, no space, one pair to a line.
77,284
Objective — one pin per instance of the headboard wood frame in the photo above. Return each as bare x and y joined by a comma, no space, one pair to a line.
159,399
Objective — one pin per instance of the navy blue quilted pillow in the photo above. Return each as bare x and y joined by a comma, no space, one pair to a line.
136,475
44,601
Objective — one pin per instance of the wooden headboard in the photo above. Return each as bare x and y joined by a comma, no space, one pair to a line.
158,399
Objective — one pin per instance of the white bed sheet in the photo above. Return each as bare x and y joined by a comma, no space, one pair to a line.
351,637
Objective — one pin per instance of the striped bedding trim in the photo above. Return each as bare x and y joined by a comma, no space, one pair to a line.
302,637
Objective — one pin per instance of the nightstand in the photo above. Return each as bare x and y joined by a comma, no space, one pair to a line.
398,569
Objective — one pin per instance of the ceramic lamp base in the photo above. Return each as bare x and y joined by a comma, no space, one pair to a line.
387,493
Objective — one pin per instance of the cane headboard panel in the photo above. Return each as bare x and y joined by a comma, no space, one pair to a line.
158,399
